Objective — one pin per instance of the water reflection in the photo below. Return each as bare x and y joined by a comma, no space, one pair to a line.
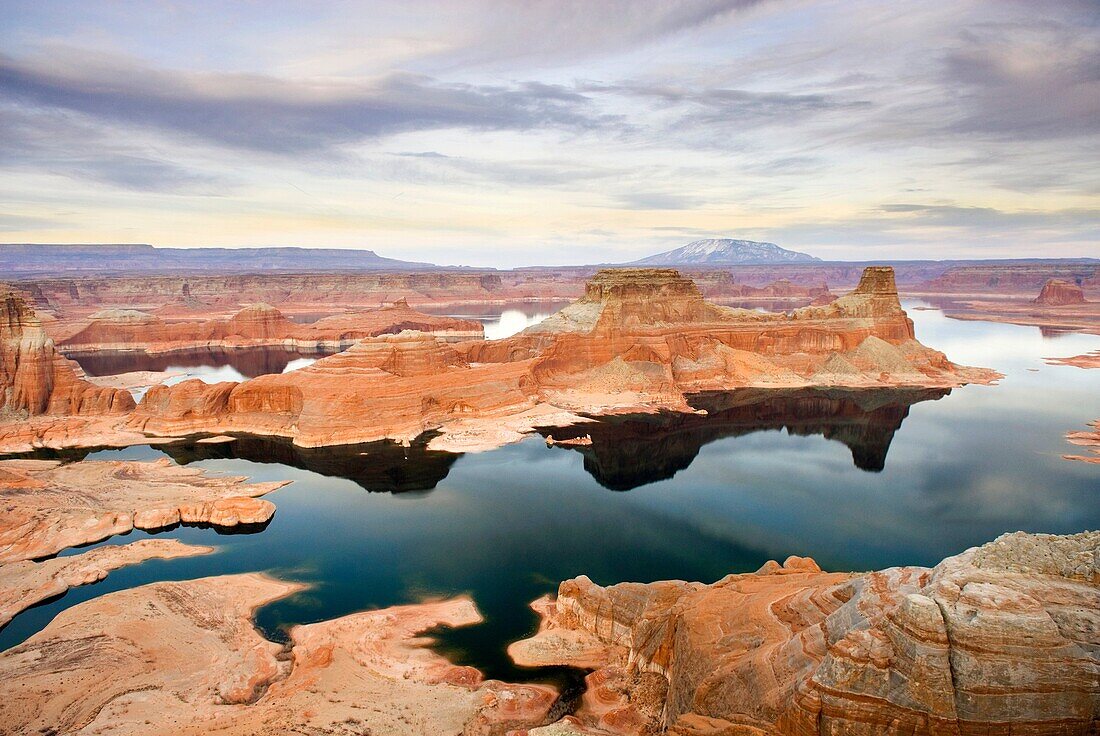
245,362
761,476
504,319
377,467
633,450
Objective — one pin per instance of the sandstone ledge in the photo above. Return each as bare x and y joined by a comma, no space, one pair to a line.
46,506
183,658
25,583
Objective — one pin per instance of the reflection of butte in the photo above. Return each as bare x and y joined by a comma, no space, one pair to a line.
633,450
382,467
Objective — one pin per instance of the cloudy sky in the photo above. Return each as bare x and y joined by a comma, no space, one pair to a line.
494,132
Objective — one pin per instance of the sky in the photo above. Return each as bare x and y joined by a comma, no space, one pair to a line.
495,133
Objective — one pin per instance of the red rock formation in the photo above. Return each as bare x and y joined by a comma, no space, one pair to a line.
395,386
1008,278
46,507
36,379
184,658
639,338
258,324
26,583
1089,439
1059,293
1002,639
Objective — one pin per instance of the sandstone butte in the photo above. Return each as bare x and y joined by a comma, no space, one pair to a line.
35,379
1001,639
639,340
117,330
1058,293
1061,305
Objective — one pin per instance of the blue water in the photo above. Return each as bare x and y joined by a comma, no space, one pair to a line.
858,481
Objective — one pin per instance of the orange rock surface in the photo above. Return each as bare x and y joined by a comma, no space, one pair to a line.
1001,639
184,658
258,324
36,379
1088,360
46,506
25,583
638,339
1059,293
1089,439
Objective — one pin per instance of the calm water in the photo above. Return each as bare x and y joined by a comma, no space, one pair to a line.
502,320
857,480
211,365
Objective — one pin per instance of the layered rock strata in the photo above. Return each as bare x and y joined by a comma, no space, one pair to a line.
1059,293
184,658
1001,639
638,339
25,583
35,379
46,506
118,330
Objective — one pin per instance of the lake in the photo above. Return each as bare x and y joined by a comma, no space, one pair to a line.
857,480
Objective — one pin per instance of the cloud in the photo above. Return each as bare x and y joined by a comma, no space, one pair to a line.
1039,80
989,218
271,114
658,201
566,31
20,223
46,142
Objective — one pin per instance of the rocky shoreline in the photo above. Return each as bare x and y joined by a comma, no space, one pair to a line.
1000,638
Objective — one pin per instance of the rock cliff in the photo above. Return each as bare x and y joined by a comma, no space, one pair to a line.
36,379
255,325
638,339
1001,639
1058,293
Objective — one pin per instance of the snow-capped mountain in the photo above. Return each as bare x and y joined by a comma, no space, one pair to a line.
724,252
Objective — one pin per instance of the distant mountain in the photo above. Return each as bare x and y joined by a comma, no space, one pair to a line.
725,252
127,258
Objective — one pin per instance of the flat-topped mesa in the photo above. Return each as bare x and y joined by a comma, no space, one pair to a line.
407,353
36,379
1059,293
625,299
876,295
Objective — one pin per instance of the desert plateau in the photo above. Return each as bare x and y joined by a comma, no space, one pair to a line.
686,368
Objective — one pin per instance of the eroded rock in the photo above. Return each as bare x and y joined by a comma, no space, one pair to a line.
46,506
1001,639
184,658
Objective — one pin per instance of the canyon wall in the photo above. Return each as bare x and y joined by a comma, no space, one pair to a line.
35,379
638,338
1012,278
255,325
